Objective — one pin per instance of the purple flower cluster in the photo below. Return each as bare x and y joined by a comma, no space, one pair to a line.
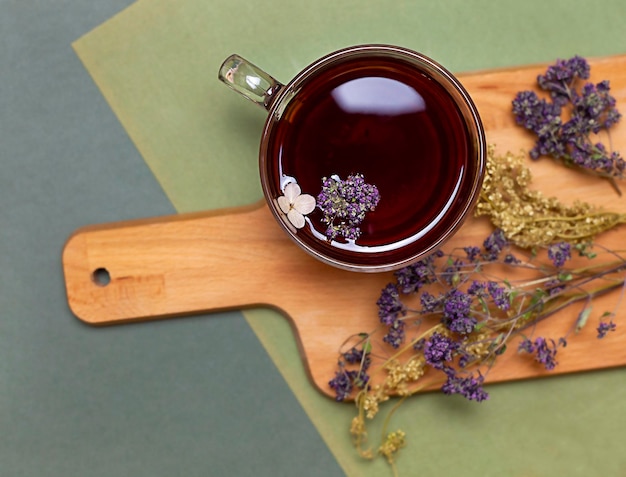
390,309
559,253
544,119
430,303
544,350
395,334
469,387
457,312
604,328
591,110
499,295
357,356
559,78
472,252
594,108
478,289
595,157
344,205
452,273
343,383
346,380
439,349
494,244
413,277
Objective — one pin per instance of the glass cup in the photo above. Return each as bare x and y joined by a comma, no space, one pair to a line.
370,158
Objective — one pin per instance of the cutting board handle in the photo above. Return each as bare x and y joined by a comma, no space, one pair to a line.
181,264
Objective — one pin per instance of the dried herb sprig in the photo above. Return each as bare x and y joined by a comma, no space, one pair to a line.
344,205
567,125
448,318
527,217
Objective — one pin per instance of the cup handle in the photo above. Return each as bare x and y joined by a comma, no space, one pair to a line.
249,80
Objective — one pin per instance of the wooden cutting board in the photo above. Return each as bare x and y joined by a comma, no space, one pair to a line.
236,258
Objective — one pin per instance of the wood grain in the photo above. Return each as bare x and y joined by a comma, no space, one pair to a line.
237,258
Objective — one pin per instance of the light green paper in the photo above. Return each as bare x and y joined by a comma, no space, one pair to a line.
156,63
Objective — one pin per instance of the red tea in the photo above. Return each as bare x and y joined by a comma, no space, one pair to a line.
399,128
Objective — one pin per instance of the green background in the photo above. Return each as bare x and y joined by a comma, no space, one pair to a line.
223,394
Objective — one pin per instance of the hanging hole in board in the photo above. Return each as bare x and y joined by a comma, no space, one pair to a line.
101,277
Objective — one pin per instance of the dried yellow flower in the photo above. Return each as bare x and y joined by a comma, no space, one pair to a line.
372,399
414,368
478,345
393,443
359,436
357,428
527,217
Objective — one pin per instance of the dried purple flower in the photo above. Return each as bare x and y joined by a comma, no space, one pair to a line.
413,277
452,274
494,244
473,253
499,295
591,110
543,118
346,380
478,289
395,334
560,77
342,384
344,205
361,378
527,346
457,312
430,303
595,107
604,328
559,253
545,351
390,308
469,387
439,349
357,356
419,344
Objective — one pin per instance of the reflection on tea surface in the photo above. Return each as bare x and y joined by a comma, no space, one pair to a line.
379,96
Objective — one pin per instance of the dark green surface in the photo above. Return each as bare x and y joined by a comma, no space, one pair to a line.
192,397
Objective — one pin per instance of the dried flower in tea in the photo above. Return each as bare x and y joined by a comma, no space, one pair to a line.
344,204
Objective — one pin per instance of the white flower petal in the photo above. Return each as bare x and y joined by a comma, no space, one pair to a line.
296,218
292,190
304,204
284,204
